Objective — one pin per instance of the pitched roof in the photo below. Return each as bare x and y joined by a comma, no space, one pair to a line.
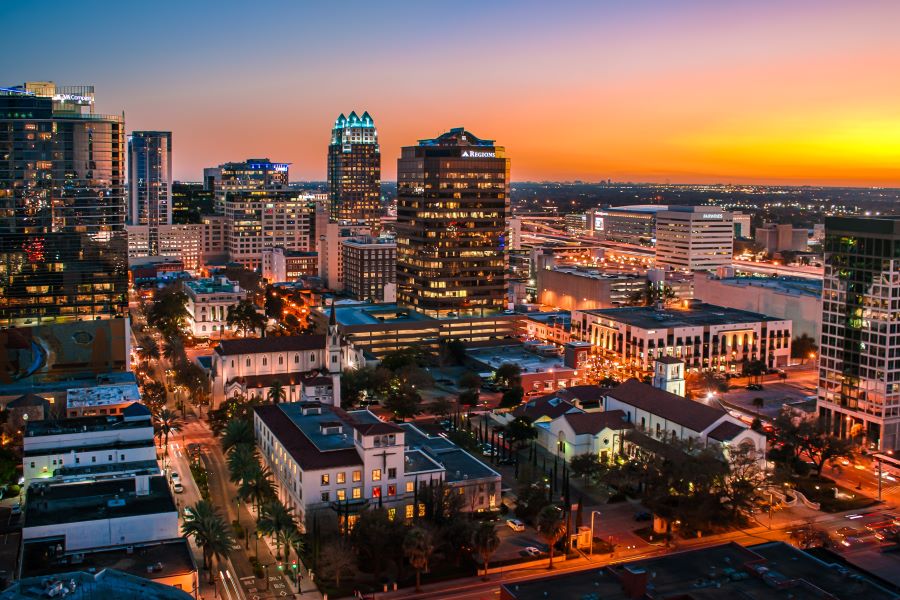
727,431
545,406
28,399
301,449
583,393
136,409
594,422
671,407
379,428
286,379
285,343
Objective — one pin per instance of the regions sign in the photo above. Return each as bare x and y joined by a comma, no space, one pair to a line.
475,154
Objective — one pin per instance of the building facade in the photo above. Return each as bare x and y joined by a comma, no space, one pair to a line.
256,220
775,237
631,224
208,301
859,353
280,265
63,244
329,247
452,209
150,182
694,238
251,174
370,268
354,170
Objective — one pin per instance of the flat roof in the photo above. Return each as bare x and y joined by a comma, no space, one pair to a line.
108,584
378,314
213,286
302,438
794,286
638,208
494,356
697,314
82,425
53,504
103,395
459,465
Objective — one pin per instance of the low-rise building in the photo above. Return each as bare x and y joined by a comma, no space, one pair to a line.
285,266
634,224
543,368
782,238
108,443
207,305
704,336
554,327
325,458
103,584
100,400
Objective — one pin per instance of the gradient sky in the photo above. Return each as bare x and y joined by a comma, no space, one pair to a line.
633,90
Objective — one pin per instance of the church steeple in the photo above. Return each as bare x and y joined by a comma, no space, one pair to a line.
335,354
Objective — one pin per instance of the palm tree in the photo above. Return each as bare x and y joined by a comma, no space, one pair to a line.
149,350
243,462
418,546
485,542
173,349
276,393
237,432
551,527
257,487
205,524
292,539
167,422
276,520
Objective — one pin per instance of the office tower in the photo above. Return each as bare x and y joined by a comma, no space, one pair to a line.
354,170
634,224
452,209
63,246
694,238
256,220
859,374
370,268
252,174
150,182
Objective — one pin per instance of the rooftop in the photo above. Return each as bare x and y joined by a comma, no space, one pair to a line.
285,343
103,395
459,465
794,286
217,285
531,362
696,314
671,407
51,504
549,406
458,136
108,584
82,425
592,423
303,438
638,208
767,571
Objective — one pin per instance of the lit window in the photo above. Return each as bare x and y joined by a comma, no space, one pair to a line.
376,474
410,487
357,476
325,479
357,493
409,511
341,477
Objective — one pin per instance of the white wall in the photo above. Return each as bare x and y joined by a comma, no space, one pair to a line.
86,535
44,465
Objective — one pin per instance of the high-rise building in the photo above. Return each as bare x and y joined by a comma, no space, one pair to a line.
150,182
452,211
354,170
252,174
63,245
859,373
694,238
370,267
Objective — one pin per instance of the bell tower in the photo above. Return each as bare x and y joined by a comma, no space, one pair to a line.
668,375
335,355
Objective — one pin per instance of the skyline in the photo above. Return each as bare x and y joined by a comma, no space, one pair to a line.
699,93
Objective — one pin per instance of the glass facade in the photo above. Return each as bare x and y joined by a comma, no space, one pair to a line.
150,182
354,171
63,246
452,212
859,361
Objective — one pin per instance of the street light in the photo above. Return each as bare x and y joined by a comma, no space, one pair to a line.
593,513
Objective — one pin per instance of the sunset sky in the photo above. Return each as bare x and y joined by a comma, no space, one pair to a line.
684,91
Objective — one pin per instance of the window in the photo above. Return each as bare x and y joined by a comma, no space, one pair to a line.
325,479
421,509
376,474
341,477
93,459
392,513
312,358
248,362
357,476
265,361
325,496
109,458
342,495
392,473
296,358
409,511
357,493
32,464
410,487
392,490
376,491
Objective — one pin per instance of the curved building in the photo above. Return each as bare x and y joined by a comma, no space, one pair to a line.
354,170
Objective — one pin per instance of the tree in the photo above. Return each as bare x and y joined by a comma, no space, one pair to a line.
404,401
519,431
154,396
276,520
508,375
417,547
485,542
276,393
167,423
441,406
375,524
244,316
551,527
470,380
257,487
168,313
753,369
803,347
292,540
512,397
149,350
189,375
587,466
453,352
243,462
237,431
336,560
468,398
758,404
205,524
744,484
810,536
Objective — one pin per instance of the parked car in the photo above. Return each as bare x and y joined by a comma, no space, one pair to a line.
515,525
532,551
175,477
178,488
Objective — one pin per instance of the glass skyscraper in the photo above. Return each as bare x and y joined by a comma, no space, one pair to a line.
452,212
63,246
150,182
354,170
859,353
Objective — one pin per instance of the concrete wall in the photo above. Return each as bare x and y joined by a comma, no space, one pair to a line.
100,533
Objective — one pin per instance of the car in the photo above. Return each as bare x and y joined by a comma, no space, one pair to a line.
643,516
487,450
887,476
175,477
845,531
445,424
515,525
178,488
532,551
16,509
755,387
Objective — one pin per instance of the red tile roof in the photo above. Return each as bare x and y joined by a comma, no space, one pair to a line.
594,422
303,451
284,343
671,407
727,431
544,406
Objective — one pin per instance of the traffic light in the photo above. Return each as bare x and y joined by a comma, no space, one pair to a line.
294,565
280,567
